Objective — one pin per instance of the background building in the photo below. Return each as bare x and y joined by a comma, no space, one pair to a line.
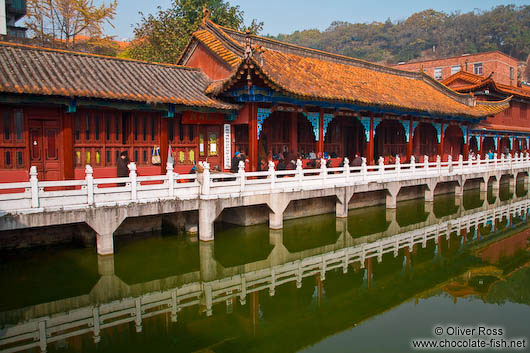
10,12
503,67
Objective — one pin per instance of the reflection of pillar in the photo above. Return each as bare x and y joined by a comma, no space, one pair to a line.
106,265
294,132
439,246
459,202
208,264
319,288
254,310
407,257
369,272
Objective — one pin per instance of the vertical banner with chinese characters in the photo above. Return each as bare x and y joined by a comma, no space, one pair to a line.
227,146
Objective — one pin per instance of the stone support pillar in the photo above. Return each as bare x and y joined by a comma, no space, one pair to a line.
392,193
278,202
209,210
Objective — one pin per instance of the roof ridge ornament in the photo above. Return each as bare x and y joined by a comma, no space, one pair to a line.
248,45
205,14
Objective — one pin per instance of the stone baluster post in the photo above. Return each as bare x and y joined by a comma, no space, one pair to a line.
364,169
450,164
346,168
205,186
132,178
412,165
272,175
426,163
170,179
241,173
461,163
495,161
299,171
439,164
381,166
34,184
398,165
323,170
89,184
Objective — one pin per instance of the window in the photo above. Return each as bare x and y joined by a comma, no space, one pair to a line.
107,127
477,68
144,126
87,127
8,159
135,128
18,124
20,158
117,127
512,73
153,128
438,73
77,128
97,127
170,129
7,126
455,69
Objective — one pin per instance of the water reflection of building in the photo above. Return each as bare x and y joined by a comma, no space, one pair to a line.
369,263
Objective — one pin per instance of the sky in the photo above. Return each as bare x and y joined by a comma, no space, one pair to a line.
287,16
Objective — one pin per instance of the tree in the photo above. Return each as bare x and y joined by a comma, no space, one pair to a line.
63,20
162,37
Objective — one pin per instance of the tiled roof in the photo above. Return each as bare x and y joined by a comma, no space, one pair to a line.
215,45
39,71
316,75
477,82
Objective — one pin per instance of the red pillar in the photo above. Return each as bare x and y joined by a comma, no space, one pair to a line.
252,111
441,144
320,142
499,150
409,143
294,132
481,149
164,140
68,145
466,144
370,144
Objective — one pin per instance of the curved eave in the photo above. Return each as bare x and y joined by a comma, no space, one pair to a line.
218,87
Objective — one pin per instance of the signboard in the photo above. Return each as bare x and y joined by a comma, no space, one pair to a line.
202,118
227,146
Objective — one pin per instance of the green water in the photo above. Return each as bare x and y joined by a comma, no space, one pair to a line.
482,277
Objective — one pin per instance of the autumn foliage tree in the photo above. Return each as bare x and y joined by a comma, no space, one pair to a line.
162,36
64,20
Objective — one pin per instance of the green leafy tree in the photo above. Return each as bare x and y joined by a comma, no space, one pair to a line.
162,37
505,28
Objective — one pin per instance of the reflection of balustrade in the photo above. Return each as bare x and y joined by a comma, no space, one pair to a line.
40,332
36,195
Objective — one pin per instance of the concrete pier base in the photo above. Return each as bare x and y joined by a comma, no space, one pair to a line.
275,220
209,210
392,193
105,244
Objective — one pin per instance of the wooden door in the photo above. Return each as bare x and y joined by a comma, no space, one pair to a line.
44,151
210,146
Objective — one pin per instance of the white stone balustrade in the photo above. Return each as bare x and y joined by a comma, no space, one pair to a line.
96,192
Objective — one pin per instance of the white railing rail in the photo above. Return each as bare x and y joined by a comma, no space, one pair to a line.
94,192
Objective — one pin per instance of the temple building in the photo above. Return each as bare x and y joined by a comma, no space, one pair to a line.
508,130
302,101
62,110
230,91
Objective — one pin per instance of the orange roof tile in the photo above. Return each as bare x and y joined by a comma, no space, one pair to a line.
477,82
215,45
312,74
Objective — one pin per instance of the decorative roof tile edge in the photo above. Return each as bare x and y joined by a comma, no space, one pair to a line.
219,86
